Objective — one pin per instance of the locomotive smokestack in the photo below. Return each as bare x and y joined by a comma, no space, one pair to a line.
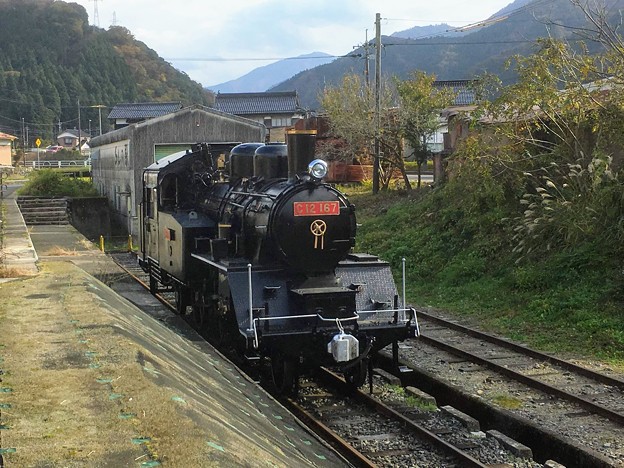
300,151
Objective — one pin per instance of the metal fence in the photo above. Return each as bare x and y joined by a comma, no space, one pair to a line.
52,164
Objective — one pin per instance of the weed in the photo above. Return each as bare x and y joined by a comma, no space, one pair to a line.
57,251
507,401
11,272
417,403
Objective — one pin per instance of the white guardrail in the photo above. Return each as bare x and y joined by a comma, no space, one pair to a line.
52,164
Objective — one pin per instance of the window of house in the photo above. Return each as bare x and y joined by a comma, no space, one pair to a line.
280,122
68,141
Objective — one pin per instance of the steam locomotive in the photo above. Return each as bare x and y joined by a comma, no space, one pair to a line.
260,255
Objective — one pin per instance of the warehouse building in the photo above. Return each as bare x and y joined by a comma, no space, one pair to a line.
119,157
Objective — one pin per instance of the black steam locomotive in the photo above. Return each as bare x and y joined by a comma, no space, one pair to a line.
260,255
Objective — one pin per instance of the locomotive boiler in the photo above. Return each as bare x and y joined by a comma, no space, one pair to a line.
260,255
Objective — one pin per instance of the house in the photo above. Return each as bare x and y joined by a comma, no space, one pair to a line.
118,158
126,114
277,111
451,130
453,127
6,147
69,139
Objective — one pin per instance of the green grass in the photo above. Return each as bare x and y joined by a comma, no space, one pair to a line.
507,401
459,258
411,400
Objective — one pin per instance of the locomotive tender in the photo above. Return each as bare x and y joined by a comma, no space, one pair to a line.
261,255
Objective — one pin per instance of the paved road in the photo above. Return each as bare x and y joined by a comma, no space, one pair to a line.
425,178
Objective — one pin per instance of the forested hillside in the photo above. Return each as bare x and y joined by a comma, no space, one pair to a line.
50,59
457,58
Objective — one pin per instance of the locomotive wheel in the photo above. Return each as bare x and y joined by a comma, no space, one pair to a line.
217,330
283,375
355,376
182,299
153,285
199,315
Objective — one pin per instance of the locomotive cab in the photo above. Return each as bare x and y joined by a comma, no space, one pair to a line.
171,226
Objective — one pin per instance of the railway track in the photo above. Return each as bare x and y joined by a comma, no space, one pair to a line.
562,410
568,432
596,392
386,435
387,429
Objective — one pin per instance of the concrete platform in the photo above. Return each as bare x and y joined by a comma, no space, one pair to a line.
18,252
89,379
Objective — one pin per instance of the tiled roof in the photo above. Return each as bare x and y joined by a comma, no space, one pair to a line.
6,136
74,132
143,110
286,102
466,95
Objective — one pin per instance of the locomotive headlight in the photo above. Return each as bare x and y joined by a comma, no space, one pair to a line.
317,169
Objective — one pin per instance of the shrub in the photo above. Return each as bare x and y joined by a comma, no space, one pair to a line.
49,183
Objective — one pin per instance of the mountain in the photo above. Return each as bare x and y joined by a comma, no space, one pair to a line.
455,58
263,78
433,30
51,59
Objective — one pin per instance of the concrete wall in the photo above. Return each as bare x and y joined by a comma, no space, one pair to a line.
90,216
113,176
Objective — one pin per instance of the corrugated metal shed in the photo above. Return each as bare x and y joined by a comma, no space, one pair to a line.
286,102
143,110
119,157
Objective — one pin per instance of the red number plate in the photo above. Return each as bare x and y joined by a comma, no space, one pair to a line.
328,208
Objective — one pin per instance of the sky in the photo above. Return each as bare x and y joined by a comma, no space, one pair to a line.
217,41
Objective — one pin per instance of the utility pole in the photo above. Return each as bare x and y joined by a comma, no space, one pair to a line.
366,70
377,158
99,108
79,131
96,14
366,46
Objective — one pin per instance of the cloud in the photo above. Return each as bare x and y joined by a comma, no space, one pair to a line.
240,29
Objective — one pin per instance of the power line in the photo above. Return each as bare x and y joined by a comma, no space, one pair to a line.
250,59
457,43
27,103
9,119
502,17
477,24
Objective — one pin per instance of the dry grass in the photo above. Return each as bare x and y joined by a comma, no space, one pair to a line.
12,272
85,392
57,251
87,244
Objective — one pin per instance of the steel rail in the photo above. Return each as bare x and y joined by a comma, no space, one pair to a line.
545,443
530,381
602,378
462,457
338,443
